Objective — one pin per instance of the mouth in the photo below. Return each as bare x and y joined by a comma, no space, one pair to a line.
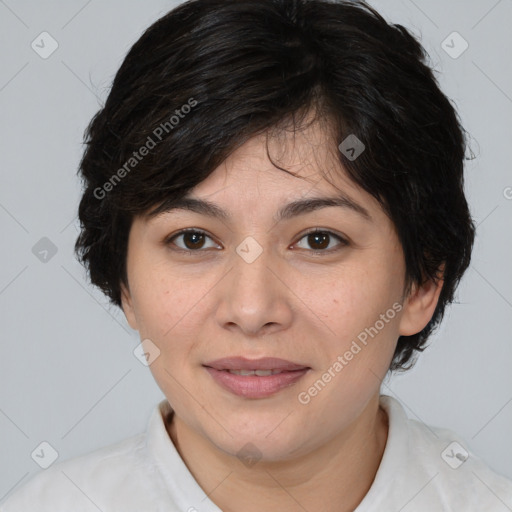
255,378
259,373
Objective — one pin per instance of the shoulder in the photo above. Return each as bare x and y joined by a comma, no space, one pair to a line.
439,469
102,479
459,475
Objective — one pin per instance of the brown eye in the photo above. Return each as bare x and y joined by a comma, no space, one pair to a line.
191,240
318,240
322,241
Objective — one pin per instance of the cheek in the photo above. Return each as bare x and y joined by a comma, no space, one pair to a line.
168,303
359,309
349,298
157,298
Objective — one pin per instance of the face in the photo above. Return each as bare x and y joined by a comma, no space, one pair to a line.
318,286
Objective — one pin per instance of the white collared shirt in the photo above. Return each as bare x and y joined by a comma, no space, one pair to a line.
423,469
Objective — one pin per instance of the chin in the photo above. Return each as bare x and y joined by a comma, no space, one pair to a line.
264,443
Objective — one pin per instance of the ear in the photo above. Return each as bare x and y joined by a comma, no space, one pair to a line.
419,306
127,305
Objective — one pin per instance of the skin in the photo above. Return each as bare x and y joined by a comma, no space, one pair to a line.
290,303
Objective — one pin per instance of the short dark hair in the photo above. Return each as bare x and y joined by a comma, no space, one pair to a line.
211,74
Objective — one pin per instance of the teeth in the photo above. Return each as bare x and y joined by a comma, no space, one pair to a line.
259,373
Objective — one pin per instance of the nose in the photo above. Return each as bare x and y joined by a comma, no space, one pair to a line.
253,297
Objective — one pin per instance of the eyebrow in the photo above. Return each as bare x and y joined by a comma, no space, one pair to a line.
290,210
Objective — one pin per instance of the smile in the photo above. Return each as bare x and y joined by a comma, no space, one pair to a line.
259,373
254,386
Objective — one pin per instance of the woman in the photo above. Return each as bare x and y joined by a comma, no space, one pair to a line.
274,197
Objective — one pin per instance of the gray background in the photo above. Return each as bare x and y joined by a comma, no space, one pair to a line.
68,374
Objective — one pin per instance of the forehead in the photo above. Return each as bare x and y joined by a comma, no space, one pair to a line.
254,173
275,176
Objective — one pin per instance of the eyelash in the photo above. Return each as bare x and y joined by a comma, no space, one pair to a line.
342,241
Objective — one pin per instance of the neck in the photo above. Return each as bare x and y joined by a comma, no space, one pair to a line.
336,475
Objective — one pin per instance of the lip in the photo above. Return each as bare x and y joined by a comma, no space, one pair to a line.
263,363
253,386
